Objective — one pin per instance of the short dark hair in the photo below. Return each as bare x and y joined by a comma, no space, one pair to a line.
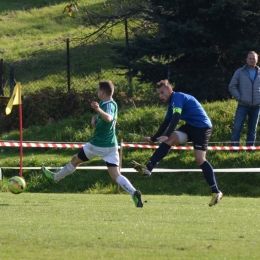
107,86
251,52
162,83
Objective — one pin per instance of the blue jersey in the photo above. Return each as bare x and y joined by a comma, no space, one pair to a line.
189,108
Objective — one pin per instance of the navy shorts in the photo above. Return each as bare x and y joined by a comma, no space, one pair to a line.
199,136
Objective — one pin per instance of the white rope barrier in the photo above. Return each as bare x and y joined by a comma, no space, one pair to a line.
130,170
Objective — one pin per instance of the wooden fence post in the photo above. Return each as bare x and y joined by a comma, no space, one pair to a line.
120,161
1,77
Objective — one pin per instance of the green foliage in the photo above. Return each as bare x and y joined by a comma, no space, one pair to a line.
52,104
179,40
33,41
193,44
134,122
49,105
50,114
222,117
140,121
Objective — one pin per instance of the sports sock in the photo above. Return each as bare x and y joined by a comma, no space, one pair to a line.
66,170
209,176
158,155
125,184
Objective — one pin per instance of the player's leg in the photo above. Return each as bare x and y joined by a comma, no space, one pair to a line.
120,179
71,166
200,143
163,150
112,160
209,175
65,171
125,184
83,155
207,169
175,138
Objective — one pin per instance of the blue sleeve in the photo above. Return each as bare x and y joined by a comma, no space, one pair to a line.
175,105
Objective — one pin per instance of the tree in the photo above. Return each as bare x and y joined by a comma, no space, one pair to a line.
103,21
197,44
113,13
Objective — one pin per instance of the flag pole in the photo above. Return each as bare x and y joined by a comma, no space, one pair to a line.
21,140
16,99
21,131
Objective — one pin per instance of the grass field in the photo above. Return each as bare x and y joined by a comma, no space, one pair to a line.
66,222
78,226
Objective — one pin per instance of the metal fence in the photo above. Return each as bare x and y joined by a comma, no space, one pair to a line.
70,66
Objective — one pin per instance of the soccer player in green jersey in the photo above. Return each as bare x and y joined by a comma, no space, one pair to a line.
103,144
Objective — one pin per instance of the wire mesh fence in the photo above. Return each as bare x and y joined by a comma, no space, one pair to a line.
70,66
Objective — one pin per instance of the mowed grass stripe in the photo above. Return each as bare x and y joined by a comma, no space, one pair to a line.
80,226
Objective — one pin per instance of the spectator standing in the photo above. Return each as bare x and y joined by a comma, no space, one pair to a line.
245,88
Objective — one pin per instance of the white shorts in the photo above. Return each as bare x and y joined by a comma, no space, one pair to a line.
108,154
182,136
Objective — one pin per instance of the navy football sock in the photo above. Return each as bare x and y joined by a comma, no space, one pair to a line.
209,176
158,155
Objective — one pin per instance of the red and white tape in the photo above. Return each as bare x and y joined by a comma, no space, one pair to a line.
40,144
214,148
79,145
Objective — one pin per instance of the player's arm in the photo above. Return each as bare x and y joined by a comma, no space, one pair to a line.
174,121
105,116
161,129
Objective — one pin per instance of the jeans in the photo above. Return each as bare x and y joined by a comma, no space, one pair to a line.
241,113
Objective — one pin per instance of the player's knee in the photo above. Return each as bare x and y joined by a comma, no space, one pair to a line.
200,160
75,161
173,139
111,164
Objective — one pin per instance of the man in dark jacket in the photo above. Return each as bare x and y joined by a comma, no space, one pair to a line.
245,88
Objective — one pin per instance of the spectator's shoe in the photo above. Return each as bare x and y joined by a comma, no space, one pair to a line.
48,175
216,197
137,199
142,169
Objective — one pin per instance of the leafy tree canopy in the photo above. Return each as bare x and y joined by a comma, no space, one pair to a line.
196,44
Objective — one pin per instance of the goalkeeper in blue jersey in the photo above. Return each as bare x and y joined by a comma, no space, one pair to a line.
198,129
103,144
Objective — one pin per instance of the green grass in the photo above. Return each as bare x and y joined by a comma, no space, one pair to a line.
35,30
33,36
49,222
133,123
29,26
77,226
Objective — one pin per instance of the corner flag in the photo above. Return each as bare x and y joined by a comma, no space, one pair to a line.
15,99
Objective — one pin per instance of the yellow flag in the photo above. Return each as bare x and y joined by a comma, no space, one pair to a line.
15,98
